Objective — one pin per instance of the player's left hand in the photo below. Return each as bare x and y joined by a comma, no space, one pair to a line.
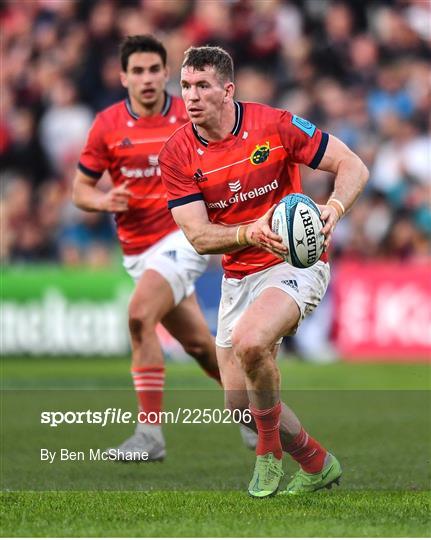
330,217
261,235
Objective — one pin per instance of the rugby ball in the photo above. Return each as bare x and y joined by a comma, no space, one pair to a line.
296,219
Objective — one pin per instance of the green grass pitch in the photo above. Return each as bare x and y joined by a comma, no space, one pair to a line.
376,418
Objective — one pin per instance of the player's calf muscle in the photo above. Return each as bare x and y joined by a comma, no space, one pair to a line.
236,399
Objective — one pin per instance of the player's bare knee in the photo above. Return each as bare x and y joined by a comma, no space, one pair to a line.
141,320
248,345
250,350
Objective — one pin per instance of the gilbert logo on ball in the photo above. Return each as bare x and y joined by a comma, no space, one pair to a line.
297,220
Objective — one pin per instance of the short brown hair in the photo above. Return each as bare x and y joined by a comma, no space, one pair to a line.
199,58
140,43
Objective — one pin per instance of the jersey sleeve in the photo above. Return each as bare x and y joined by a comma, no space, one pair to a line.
303,141
94,159
181,188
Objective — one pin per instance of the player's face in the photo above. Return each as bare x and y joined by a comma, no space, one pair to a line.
204,94
145,79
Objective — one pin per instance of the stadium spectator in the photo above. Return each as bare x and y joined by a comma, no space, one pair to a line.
112,89
64,124
23,152
86,239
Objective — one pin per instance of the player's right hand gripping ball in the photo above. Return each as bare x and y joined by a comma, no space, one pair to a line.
296,219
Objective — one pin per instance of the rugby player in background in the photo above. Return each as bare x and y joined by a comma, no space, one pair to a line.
125,140
229,166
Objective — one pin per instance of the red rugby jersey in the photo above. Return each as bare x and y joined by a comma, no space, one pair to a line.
241,177
128,146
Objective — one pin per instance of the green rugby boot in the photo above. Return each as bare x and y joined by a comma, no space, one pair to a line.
303,482
266,477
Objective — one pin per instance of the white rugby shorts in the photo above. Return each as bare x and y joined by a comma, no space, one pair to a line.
174,258
306,286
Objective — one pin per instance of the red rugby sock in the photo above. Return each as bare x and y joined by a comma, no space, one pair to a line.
149,383
307,452
268,430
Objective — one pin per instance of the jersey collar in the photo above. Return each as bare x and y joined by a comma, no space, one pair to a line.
239,113
167,104
165,109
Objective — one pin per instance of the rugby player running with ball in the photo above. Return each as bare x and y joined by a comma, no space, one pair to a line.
231,164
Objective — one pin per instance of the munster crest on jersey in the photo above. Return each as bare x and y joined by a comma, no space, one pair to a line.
260,153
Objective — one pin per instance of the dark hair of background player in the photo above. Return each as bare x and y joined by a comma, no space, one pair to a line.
140,43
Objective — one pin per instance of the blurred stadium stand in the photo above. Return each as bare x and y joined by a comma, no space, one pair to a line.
359,70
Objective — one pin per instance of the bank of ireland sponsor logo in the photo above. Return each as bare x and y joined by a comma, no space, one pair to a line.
153,170
260,153
235,186
243,196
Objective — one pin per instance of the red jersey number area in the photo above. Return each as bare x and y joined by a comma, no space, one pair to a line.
241,177
128,147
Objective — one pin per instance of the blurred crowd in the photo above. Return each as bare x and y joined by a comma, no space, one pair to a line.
359,70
